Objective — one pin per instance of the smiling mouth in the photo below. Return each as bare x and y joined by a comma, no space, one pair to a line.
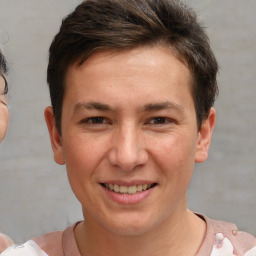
129,190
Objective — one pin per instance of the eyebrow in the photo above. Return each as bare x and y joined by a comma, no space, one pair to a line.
147,108
162,106
92,106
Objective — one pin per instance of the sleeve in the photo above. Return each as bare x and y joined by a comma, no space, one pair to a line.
30,248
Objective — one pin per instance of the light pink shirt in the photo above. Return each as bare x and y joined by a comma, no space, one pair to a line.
221,239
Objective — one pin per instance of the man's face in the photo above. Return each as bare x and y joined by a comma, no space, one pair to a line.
4,114
129,138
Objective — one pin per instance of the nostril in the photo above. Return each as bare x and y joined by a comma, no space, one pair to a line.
127,160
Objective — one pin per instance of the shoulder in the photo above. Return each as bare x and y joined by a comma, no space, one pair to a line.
51,244
30,248
5,242
224,238
46,245
59,243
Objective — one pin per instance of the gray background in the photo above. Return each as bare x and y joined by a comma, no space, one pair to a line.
34,193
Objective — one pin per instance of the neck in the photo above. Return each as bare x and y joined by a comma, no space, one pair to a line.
181,235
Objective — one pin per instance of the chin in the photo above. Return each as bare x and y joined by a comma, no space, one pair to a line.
131,226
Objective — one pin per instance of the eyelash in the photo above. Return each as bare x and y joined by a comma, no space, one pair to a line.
99,120
94,120
160,120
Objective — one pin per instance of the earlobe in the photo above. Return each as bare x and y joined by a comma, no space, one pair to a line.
54,136
204,137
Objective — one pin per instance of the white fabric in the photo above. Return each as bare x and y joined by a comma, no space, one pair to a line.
30,248
222,246
251,252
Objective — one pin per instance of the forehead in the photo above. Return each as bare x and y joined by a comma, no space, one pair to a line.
149,69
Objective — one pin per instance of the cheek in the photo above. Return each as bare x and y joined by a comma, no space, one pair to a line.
175,156
84,162
80,161
83,155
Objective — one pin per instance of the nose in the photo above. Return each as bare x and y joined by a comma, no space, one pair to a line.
127,150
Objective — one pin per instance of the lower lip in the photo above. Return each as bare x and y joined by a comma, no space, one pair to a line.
128,199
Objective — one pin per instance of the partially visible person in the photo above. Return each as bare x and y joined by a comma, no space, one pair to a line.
5,241
4,114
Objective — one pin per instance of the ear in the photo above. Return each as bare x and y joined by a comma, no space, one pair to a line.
54,136
204,137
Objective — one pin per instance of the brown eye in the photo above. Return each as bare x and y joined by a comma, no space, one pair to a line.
96,120
159,120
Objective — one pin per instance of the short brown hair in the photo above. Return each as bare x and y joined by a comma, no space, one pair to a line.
122,24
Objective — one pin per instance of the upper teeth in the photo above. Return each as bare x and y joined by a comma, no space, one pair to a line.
127,189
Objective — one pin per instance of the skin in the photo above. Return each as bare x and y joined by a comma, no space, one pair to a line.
129,118
4,114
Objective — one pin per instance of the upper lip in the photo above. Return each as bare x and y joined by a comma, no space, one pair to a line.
128,183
